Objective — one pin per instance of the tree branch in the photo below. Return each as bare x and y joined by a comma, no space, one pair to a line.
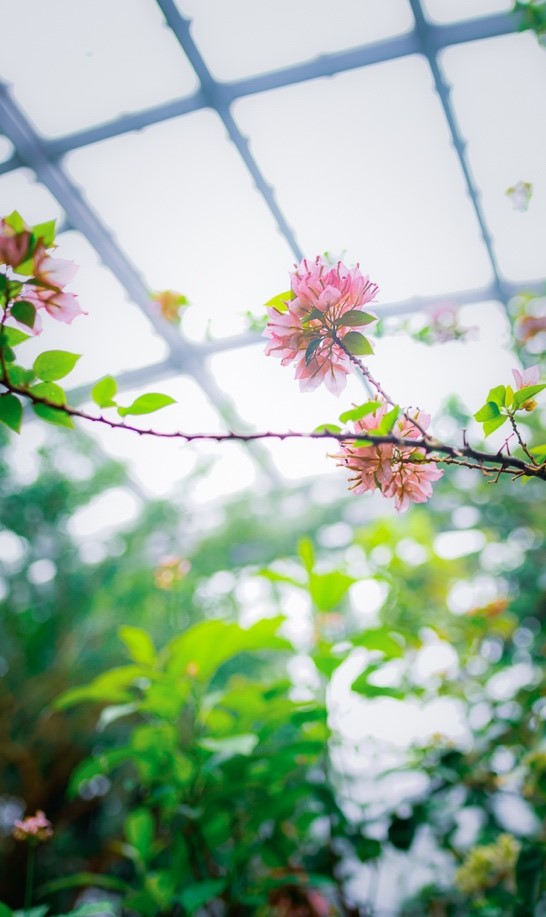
437,451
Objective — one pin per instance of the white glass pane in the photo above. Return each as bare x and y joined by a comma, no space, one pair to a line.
245,37
363,162
159,465
499,84
21,191
79,64
112,337
452,10
182,204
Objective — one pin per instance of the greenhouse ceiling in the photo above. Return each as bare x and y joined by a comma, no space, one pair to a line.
205,145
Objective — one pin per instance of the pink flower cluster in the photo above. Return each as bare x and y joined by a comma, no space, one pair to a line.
323,295
525,377
387,467
34,828
50,276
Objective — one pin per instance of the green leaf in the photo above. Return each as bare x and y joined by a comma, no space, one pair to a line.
5,911
497,395
207,645
387,422
539,451
380,639
147,404
327,590
524,394
311,347
355,317
232,745
15,220
55,364
357,343
357,413
103,392
327,428
196,895
306,553
56,416
402,831
11,412
509,397
113,686
45,232
139,643
139,831
311,316
18,375
487,412
13,336
491,425
529,871
40,910
50,391
24,312
278,302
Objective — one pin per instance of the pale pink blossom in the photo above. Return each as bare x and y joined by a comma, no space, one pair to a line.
64,307
322,296
386,466
13,245
525,377
52,272
34,828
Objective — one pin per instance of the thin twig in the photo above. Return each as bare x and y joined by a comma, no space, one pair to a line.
377,385
504,464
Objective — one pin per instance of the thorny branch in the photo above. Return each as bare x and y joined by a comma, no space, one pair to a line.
487,462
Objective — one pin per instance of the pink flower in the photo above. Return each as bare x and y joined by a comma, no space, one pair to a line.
386,466
304,333
13,245
526,377
52,272
34,828
64,307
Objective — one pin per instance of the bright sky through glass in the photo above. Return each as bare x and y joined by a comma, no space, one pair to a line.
242,37
376,176
361,163
91,62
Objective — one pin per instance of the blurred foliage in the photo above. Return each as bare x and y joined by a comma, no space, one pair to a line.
237,769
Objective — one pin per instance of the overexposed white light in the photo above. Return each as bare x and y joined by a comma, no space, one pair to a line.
499,82
242,38
363,162
91,62
13,548
183,206
42,571
20,190
233,470
367,597
453,10
6,148
450,545
466,595
110,510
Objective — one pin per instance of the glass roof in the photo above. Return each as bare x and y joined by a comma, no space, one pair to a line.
205,146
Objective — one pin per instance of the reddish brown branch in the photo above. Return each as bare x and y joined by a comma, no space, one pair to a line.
440,452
